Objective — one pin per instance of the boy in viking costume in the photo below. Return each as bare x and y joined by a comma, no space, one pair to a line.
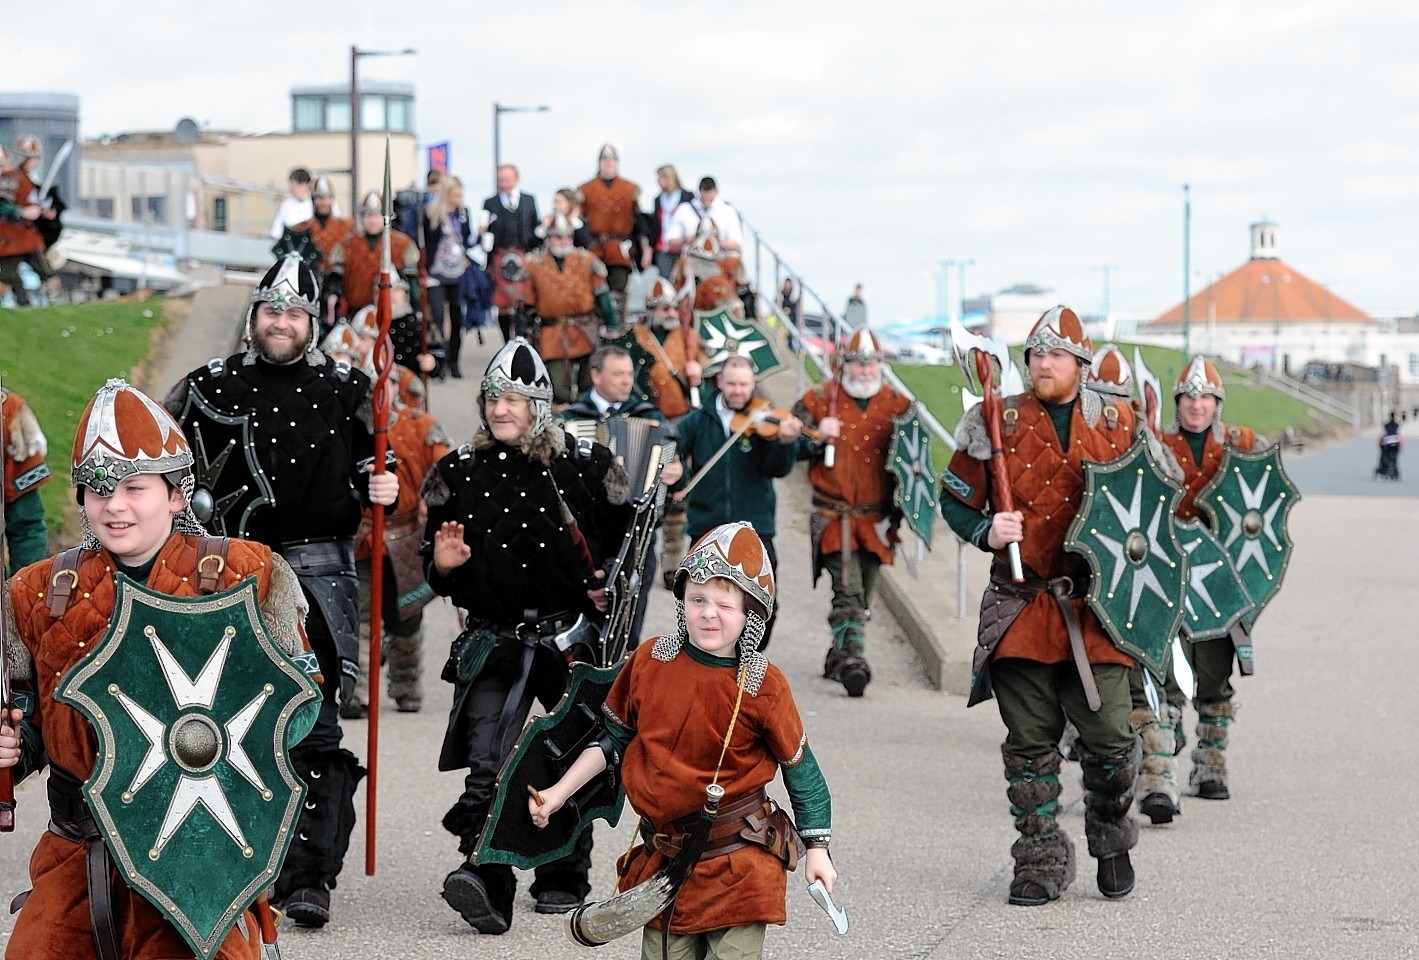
1198,438
678,718
1042,651
133,472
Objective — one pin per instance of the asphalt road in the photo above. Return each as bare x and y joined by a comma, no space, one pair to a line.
1314,857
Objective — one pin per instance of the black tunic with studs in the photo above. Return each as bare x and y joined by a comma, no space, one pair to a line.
310,424
524,563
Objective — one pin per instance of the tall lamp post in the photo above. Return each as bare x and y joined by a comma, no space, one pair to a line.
498,111
355,55
1187,270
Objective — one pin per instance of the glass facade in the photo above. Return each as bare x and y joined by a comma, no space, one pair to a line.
329,110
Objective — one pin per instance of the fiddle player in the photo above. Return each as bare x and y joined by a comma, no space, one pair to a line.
740,484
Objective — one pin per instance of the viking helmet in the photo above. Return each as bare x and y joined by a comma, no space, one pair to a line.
608,152
288,283
1111,374
321,187
562,226
863,346
123,432
734,552
364,323
373,202
660,294
517,368
342,343
1060,329
27,147
1200,379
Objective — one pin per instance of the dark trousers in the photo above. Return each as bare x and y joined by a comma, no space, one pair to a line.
1211,662
486,752
1035,700
445,303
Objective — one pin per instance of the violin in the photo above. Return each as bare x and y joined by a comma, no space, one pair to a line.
763,419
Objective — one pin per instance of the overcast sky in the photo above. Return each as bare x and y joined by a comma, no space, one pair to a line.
868,141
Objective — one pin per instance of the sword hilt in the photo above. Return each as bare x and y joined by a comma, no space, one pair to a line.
1017,569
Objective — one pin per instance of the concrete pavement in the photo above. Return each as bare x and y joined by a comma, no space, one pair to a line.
1313,858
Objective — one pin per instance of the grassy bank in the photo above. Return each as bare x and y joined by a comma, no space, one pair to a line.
56,358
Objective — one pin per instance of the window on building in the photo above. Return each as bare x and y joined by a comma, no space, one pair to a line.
219,214
1414,364
150,209
101,207
372,112
309,113
398,115
337,114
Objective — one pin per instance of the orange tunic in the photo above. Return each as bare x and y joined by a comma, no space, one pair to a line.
20,238
1046,483
1196,476
671,760
559,293
361,264
327,236
660,381
21,476
609,211
54,924
860,475
419,443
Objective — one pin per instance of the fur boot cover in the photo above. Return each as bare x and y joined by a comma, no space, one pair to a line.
326,821
1108,794
1157,772
1209,758
1042,853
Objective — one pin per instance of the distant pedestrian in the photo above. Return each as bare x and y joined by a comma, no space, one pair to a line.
296,208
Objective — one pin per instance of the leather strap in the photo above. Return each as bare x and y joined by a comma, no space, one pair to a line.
751,820
211,561
100,869
71,819
1059,589
63,578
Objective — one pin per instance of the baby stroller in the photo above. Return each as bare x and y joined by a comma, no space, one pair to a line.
1388,468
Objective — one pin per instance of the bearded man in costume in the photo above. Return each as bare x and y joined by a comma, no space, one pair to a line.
521,522
1042,648
567,289
610,207
1198,438
308,426
853,498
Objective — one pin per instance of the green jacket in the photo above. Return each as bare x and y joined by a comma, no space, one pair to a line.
741,485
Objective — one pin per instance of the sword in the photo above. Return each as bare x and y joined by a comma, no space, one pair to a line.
685,305
383,361
985,351
824,899
49,175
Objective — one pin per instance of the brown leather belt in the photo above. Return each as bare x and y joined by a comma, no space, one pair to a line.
71,819
844,511
1062,589
754,820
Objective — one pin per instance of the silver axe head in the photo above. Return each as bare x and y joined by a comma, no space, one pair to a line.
966,343
1143,379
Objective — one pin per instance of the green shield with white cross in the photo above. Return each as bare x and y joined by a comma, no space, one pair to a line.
196,708
725,333
1127,532
1249,502
1217,599
910,461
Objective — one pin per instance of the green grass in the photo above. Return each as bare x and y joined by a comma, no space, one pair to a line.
1268,412
56,358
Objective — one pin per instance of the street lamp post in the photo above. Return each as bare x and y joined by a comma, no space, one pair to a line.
498,111
1187,270
355,54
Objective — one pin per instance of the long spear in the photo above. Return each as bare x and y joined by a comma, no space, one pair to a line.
383,361
7,775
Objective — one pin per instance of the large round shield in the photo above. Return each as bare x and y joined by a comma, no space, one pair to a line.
196,708
724,335
229,488
1127,531
1217,600
1249,501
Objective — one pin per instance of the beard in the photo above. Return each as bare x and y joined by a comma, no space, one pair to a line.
279,352
863,387
1057,390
